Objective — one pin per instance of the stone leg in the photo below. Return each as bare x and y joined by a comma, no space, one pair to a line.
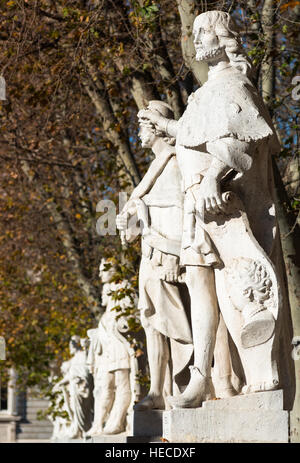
104,397
158,357
205,318
169,386
222,371
116,422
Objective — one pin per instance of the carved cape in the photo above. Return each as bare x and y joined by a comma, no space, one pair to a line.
227,105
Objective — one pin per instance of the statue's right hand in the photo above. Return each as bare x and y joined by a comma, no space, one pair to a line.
121,222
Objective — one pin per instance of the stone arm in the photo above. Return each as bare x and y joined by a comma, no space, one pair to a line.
169,126
95,349
228,154
234,153
147,182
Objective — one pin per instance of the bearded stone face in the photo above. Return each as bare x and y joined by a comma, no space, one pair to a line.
73,347
206,42
146,135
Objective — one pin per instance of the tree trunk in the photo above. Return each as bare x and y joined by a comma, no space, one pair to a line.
187,12
104,110
267,67
141,91
65,235
289,230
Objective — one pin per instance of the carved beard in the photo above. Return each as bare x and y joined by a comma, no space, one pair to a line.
206,55
146,139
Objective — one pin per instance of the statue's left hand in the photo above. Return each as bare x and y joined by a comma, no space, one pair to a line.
160,122
152,116
208,196
170,274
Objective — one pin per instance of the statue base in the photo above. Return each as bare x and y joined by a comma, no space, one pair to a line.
252,418
146,426
101,439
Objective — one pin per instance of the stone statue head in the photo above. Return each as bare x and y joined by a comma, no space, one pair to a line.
106,270
251,292
92,333
148,133
215,37
249,281
75,344
85,343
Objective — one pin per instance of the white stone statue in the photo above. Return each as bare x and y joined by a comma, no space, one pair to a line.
76,387
61,424
224,141
158,202
112,361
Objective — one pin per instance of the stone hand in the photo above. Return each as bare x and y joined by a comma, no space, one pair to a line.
208,196
128,211
121,222
155,118
170,275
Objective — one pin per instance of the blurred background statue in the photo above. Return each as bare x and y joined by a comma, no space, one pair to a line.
76,387
112,361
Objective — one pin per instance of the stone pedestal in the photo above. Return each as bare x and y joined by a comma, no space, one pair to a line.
110,439
8,427
101,439
146,426
249,418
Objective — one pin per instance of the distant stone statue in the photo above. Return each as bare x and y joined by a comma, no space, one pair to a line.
61,424
224,142
158,203
111,361
76,386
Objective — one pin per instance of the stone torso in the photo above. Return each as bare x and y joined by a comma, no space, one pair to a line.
165,202
114,352
227,105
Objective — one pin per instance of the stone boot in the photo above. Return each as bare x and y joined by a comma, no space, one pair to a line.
150,402
199,389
